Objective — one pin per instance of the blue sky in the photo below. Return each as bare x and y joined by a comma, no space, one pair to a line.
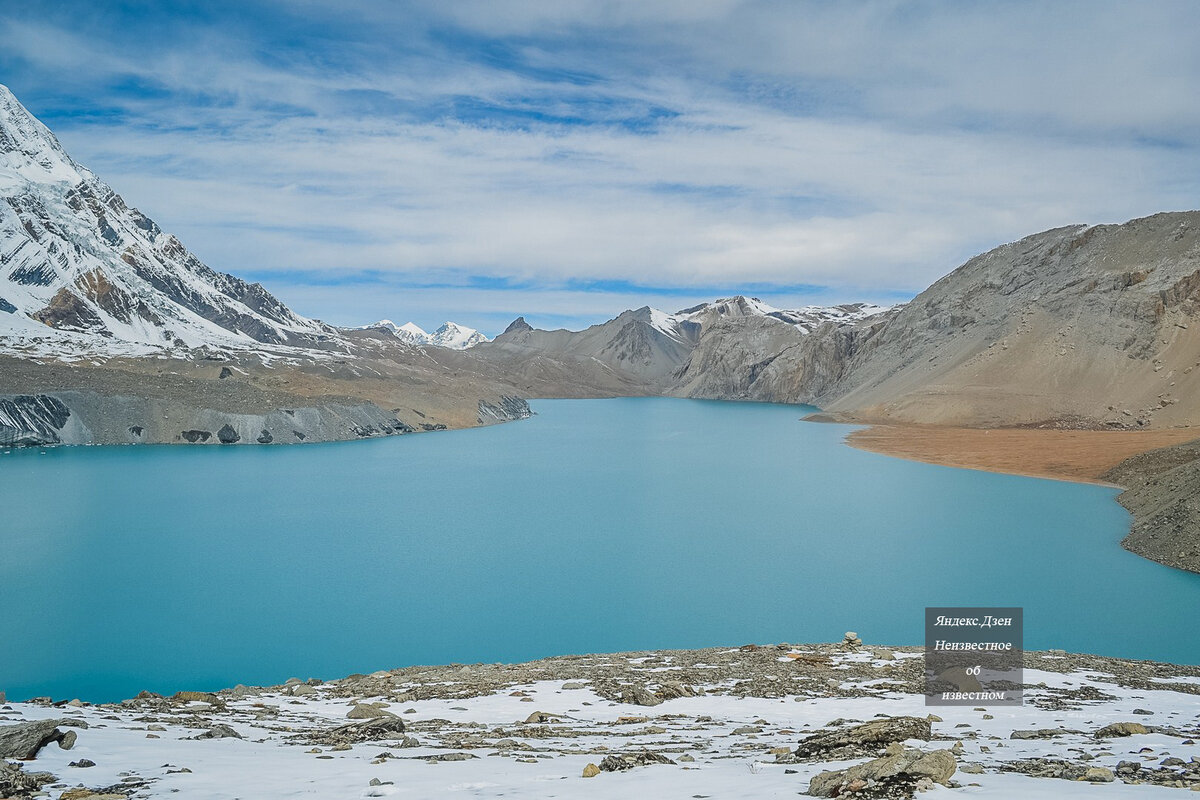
478,160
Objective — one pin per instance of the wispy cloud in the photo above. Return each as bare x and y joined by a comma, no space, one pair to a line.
563,150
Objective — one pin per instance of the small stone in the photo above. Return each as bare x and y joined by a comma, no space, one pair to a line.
82,763
591,771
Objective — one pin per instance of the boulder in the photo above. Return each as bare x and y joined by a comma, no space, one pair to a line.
23,740
866,739
385,727
622,762
640,696
367,711
219,731
900,773
227,435
1041,733
1121,729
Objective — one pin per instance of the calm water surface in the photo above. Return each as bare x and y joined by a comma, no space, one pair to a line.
597,525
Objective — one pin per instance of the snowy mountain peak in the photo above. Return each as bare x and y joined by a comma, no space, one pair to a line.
806,318
450,334
82,274
30,152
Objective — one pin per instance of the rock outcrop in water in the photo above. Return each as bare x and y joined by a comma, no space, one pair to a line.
27,420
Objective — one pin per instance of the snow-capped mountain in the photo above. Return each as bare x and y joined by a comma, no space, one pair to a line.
806,318
686,326
83,273
450,334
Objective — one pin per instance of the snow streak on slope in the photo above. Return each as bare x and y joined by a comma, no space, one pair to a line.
83,274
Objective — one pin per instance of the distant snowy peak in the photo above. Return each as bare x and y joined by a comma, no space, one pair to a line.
456,337
806,319
83,274
450,335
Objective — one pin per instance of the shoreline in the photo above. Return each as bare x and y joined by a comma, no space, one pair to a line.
720,722
1076,456
1149,467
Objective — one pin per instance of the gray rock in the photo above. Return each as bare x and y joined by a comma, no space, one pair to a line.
367,711
1041,733
23,740
640,696
1099,775
227,435
622,762
865,739
369,730
451,757
1121,729
897,774
220,731
16,782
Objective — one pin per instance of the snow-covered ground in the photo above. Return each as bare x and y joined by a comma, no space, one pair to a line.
723,744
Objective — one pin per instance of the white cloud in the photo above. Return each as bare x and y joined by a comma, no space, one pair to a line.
869,148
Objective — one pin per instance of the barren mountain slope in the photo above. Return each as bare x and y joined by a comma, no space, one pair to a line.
721,350
1088,327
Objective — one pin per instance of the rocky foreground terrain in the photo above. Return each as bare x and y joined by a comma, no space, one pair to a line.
841,720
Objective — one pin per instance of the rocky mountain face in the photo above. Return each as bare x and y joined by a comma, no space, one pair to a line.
716,349
1088,327
82,271
112,331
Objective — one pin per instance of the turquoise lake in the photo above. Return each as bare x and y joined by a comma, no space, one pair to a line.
597,525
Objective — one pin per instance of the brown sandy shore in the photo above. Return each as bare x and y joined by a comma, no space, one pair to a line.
1071,455
1159,469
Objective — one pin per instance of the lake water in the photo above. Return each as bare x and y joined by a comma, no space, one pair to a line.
597,525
